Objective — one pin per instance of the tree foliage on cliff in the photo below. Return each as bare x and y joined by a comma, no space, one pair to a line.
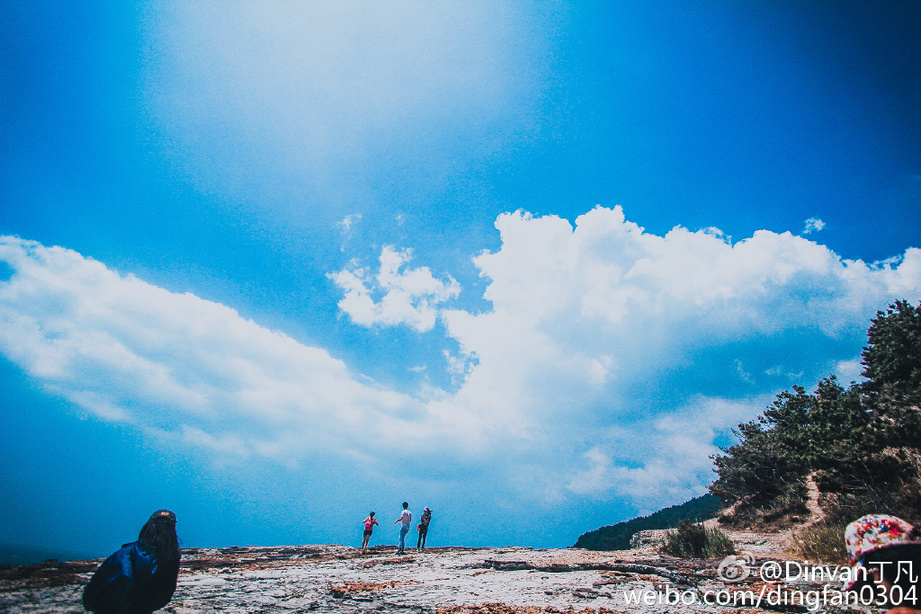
617,536
861,443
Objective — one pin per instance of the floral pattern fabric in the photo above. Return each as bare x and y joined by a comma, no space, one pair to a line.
876,531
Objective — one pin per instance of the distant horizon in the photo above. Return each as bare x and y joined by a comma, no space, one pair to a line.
14,555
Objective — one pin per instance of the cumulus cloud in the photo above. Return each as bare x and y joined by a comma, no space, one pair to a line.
606,304
677,467
186,368
652,345
813,225
609,364
408,296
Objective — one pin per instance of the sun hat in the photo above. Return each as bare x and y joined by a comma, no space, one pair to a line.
874,532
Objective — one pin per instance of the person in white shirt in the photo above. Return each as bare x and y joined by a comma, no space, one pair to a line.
406,518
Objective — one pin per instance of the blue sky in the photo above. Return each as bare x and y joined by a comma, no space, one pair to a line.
275,264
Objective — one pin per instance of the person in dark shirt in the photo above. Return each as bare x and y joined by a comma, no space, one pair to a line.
423,527
141,576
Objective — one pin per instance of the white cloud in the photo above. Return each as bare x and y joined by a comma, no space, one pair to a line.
176,364
609,364
408,296
662,459
600,330
606,293
848,371
813,224
348,221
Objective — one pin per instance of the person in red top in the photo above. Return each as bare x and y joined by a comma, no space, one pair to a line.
370,521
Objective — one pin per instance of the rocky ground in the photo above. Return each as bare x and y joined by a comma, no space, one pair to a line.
441,581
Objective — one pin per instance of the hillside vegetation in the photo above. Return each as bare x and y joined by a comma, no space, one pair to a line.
617,536
861,444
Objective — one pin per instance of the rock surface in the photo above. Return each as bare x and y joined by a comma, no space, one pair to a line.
438,581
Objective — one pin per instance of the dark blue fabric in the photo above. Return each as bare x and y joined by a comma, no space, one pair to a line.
125,583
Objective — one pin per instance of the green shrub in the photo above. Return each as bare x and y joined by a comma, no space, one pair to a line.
822,543
691,540
842,508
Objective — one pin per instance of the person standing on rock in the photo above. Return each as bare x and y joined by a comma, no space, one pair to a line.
141,576
423,527
406,518
370,521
